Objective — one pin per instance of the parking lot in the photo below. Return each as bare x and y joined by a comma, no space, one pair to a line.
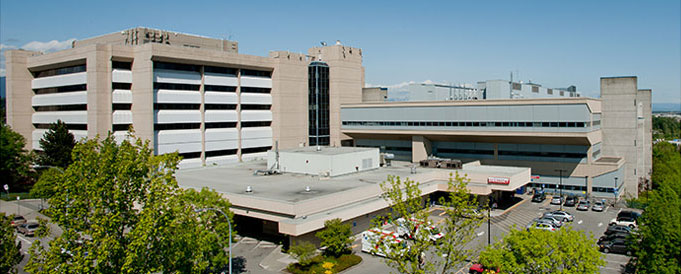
518,216
255,256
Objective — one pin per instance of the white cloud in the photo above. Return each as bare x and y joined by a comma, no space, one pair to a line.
50,46
4,47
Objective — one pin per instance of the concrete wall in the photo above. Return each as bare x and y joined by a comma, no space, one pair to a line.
623,131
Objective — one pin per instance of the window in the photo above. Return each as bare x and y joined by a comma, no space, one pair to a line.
121,127
175,106
255,90
177,126
220,70
60,71
219,88
256,124
220,152
535,89
176,86
126,86
121,65
562,93
549,91
255,149
69,126
251,107
82,87
60,108
190,155
516,86
256,73
174,66
220,106
121,106
220,125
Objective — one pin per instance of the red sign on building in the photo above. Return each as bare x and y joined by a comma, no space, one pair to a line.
498,180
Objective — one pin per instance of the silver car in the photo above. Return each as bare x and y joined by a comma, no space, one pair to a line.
552,220
560,215
583,205
598,206
557,200
541,225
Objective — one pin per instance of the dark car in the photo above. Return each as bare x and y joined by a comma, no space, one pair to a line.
617,245
539,197
18,220
617,229
616,235
628,214
28,229
570,201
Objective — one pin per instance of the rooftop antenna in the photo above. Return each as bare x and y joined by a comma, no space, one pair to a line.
323,43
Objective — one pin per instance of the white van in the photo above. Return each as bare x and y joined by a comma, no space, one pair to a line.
377,242
434,234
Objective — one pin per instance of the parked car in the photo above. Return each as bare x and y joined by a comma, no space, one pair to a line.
560,215
583,205
616,235
625,221
598,206
18,220
479,269
617,245
543,225
539,197
570,201
628,214
557,200
553,220
28,229
617,229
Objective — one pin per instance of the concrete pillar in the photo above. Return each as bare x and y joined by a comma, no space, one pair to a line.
420,148
99,93
143,94
19,109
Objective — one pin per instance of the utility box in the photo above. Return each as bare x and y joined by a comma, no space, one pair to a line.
324,161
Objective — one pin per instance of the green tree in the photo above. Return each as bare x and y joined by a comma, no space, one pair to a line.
15,160
122,211
57,144
422,254
659,248
666,166
10,250
335,237
666,128
47,185
303,252
539,251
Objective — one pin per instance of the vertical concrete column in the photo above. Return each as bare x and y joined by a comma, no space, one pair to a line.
19,109
238,113
202,109
420,148
99,93
143,94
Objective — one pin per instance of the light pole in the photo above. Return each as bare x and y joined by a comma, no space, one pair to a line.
230,231
560,171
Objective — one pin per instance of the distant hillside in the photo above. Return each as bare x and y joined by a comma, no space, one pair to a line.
666,107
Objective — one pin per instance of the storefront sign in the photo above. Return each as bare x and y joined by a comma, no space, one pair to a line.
498,180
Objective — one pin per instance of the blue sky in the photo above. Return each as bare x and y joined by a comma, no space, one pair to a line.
554,43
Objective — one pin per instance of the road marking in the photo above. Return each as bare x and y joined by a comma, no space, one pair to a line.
481,233
580,222
22,238
600,224
354,246
443,213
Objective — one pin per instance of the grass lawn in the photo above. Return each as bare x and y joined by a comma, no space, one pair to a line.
322,264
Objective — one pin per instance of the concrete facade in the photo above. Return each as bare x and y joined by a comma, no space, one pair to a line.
627,129
182,92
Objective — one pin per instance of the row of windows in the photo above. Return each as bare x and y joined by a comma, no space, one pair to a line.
322,141
465,151
81,87
176,86
220,70
255,149
221,125
190,155
126,86
557,186
60,108
220,106
542,154
256,90
220,152
211,69
219,88
209,125
60,71
467,124
175,106
257,73
121,65
175,66
256,107
121,127
69,126
121,106
596,122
